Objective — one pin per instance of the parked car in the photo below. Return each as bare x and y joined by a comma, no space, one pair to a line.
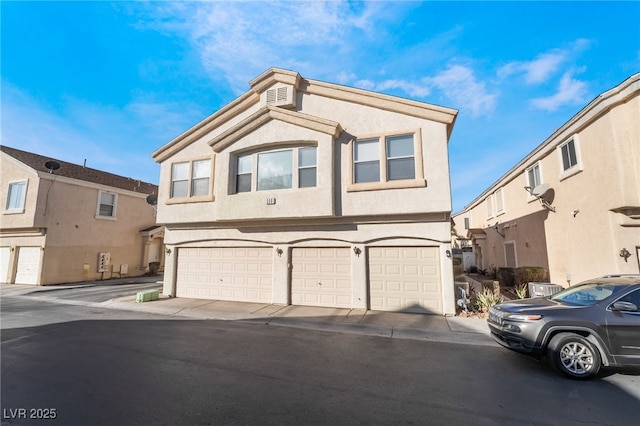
579,329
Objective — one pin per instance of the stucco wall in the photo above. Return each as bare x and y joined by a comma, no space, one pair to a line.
334,166
583,236
60,217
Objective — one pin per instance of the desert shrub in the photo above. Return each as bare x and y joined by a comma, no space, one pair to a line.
491,285
527,274
522,290
487,299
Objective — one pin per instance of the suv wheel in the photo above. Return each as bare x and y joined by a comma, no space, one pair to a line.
574,356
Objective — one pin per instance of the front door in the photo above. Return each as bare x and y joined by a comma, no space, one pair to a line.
510,254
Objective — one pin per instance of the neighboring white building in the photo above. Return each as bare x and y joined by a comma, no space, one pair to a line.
58,218
573,204
309,193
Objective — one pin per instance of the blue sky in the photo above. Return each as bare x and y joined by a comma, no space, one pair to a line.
111,82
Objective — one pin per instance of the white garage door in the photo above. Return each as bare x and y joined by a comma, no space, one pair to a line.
28,265
321,277
405,279
239,274
5,253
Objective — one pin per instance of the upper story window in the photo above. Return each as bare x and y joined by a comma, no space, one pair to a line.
570,158
401,161
489,201
307,167
366,159
107,204
533,176
16,197
499,201
243,175
387,161
398,154
277,169
191,179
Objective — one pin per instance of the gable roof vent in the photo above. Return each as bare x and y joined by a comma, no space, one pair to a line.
283,96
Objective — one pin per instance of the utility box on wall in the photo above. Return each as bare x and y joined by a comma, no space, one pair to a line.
104,260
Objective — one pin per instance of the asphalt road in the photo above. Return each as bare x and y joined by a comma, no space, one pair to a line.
91,366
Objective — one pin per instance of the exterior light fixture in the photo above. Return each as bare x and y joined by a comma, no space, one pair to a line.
625,253
357,250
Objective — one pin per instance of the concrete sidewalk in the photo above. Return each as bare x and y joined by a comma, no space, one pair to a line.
399,325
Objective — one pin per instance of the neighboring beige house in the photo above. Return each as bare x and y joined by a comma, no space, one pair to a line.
61,222
573,204
309,193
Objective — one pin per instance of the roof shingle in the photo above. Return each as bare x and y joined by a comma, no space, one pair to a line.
82,173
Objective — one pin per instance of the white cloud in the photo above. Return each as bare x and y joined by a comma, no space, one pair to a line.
570,92
239,40
537,71
365,84
411,88
545,65
459,84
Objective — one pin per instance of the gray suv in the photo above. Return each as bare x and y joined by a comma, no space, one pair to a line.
579,329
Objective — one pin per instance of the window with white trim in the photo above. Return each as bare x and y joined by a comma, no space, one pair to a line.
489,202
276,169
366,161
398,153
568,152
569,158
243,173
499,201
533,176
107,202
16,197
387,161
401,161
307,167
190,179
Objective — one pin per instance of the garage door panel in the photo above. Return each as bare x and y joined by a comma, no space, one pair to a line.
28,266
321,277
238,274
405,278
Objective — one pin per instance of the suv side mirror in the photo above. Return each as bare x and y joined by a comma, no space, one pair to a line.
624,307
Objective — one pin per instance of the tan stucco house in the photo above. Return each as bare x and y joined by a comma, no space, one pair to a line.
309,193
573,204
62,222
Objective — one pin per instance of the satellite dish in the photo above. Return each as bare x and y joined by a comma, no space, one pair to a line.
540,190
52,165
152,199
